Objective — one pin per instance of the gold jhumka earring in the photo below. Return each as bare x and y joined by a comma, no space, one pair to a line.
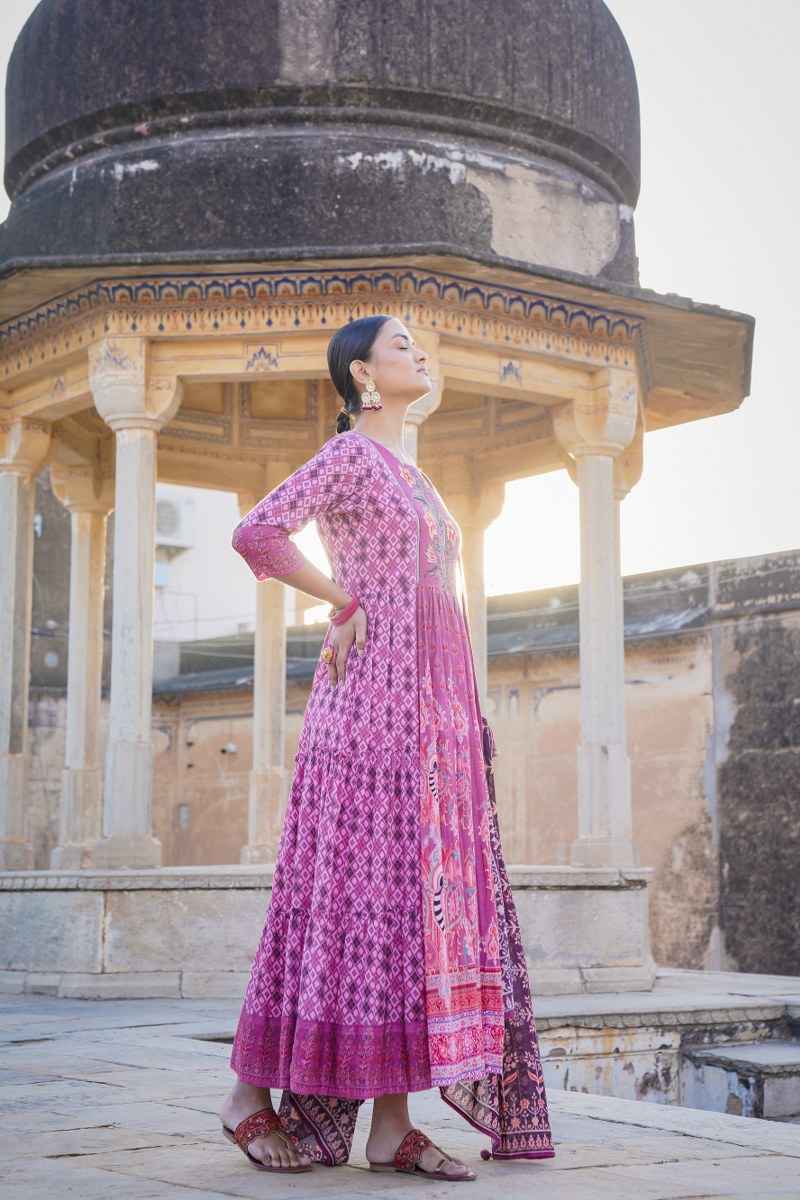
370,397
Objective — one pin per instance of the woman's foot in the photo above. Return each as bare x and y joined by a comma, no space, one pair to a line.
390,1124
272,1150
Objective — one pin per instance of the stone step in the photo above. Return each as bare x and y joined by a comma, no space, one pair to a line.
748,1079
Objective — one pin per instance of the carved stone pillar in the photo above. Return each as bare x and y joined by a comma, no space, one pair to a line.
595,428
474,508
627,473
269,780
89,499
135,408
24,446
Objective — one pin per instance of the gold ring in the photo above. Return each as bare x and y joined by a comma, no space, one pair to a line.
328,654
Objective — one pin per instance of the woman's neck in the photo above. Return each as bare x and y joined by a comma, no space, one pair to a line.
388,430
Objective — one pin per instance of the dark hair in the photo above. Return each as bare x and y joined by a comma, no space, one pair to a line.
354,340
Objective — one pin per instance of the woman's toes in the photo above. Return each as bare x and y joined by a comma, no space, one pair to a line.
289,1157
273,1151
267,1154
454,1167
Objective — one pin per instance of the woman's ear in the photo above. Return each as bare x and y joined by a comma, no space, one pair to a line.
359,371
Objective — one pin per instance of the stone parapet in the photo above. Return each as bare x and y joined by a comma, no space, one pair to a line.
146,879
191,931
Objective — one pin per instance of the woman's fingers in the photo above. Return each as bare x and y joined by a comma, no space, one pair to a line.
337,663
353,633
341,656
360,626
344,648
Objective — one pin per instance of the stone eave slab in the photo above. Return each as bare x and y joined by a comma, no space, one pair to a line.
696,357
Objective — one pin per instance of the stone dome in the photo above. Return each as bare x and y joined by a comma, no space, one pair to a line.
188,130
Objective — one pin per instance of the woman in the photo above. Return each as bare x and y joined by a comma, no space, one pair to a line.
391,959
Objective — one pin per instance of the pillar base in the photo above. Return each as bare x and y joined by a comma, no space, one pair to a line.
81,818
603,852
111,853
16,856
71,857
16,852
269,790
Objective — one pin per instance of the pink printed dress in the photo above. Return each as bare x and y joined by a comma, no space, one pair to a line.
391,958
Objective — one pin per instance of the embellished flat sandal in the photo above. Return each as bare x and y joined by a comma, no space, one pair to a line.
407,1158
259,1125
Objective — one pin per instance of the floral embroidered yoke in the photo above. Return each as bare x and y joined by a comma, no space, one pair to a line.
391,959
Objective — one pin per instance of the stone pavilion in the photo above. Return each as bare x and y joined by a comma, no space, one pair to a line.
196,206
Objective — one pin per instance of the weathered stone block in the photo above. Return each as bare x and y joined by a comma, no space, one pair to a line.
190,930
51,931
42,983
555,981
603,927
214,985
619,979
12,983
648,1075
129,986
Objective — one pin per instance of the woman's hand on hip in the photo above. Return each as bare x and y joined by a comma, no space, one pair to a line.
342,639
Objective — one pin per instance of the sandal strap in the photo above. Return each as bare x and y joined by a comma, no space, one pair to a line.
258,1125
410,1150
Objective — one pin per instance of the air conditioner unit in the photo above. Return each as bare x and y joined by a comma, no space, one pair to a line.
175,522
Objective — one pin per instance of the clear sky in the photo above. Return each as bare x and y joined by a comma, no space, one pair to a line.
717,221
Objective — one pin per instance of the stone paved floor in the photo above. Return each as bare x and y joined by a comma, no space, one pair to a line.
118,1099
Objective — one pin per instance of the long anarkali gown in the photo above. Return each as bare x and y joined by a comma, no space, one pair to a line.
391,958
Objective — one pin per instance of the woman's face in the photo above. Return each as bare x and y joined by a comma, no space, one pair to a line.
396,365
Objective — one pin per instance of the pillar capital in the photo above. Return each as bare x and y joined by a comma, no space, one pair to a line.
24,446
472,503
629,464
602,419
80,488
124,393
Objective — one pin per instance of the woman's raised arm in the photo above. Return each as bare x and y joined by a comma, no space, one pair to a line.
332,481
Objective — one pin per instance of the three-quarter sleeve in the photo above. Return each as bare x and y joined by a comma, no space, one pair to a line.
329,482
267,550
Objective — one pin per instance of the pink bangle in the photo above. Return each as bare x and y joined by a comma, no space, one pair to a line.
346,613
